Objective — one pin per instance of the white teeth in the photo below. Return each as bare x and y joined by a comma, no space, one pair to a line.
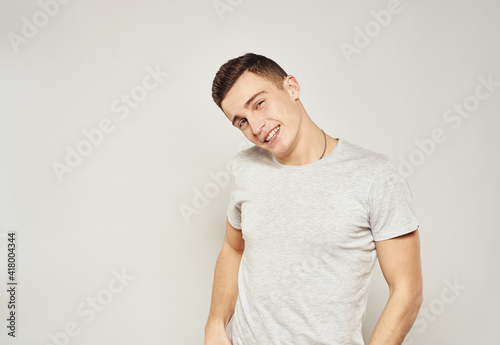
271,135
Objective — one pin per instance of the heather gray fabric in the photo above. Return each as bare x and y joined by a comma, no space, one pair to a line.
309,236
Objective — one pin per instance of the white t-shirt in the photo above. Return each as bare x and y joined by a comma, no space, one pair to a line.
309,234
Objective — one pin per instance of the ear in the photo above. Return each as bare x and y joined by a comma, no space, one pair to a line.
292,86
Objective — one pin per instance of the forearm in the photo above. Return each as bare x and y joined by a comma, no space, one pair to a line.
225,289
397,319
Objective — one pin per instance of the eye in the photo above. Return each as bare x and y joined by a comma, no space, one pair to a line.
260,103
241,122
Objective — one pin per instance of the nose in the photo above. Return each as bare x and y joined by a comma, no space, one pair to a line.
257,125
257,128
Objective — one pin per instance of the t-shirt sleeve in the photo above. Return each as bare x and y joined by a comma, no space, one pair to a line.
391,205
233,207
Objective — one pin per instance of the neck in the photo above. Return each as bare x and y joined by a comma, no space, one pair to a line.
309,144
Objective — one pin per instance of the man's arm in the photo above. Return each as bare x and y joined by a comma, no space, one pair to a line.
225,287
399,260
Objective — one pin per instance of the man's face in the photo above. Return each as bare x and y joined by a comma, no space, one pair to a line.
257,107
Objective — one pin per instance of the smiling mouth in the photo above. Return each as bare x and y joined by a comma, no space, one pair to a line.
273,134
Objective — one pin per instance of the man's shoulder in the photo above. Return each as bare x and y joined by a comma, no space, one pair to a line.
250,157
368,159
253,154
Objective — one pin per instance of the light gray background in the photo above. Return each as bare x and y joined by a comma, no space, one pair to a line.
121,207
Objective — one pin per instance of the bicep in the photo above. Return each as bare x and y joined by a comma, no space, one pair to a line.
399,260
234,238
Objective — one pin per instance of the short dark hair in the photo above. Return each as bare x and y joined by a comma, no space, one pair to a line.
229,73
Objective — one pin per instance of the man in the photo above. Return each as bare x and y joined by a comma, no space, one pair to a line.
308,216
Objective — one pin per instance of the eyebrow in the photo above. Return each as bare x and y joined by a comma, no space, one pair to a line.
247,104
